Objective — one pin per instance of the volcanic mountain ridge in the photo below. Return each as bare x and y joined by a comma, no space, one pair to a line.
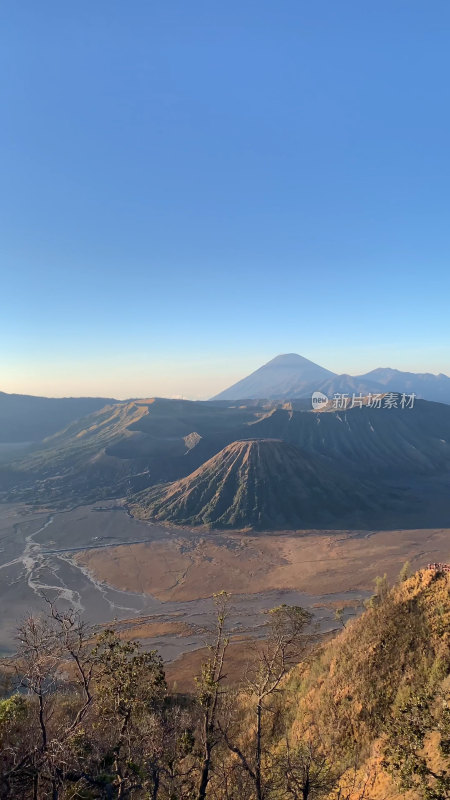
264,484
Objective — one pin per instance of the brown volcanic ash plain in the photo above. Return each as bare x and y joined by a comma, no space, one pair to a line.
335,568
190,566
157,581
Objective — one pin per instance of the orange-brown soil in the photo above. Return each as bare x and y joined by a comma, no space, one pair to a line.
179,568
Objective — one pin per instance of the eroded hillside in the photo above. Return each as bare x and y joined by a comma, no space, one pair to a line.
259,483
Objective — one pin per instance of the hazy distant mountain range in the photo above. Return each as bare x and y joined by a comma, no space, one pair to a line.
291,376
267,461
25,418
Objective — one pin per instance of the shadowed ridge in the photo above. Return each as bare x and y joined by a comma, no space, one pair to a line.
256,483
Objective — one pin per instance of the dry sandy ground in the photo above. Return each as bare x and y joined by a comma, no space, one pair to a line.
146,628
190,568
156,582
40,556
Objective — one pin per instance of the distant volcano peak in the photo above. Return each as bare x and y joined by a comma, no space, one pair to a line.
286,376
290,358
290,376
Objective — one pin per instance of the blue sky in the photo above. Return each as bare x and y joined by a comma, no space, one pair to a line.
189,189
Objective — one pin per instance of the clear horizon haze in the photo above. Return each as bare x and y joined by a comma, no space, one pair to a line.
190,189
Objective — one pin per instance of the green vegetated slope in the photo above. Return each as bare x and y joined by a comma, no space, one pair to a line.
259,483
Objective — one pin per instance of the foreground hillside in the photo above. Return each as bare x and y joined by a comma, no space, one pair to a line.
363,716
259,483
379,694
